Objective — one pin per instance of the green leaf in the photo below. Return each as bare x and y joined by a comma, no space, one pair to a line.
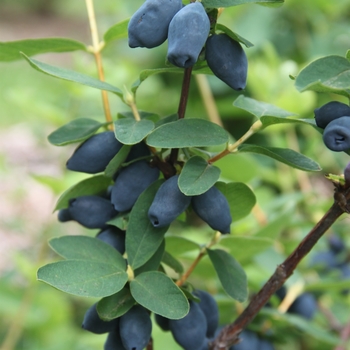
11,50
97,184
228,3
115,305
172,262
233,35
142,239
131,131
77,130
197,176
117,161
178,245
87,278
153,263
328,74
158,293
191,132
260,109
143,115
240,198
121,221
70,75
284,155
87,248
231,274
170,118
327,286
197,69
118,31
245,248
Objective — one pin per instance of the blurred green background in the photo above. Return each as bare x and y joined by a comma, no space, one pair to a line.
35,316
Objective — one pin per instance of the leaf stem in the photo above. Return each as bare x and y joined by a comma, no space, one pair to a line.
97,46
231,148
229,335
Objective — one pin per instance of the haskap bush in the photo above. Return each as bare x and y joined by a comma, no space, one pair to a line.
336,135
227,60
168,203
213,208
93,155
131,182
148,26
187,34
329,112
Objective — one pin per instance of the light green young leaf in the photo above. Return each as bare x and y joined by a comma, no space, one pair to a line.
67,74
131,131
93,185
178,245
233,35
115,305
157,292
87,278
118,31
231,274
192,132
77,130
11,50
172,262
197,176
240,198
283,155
142,239
328,74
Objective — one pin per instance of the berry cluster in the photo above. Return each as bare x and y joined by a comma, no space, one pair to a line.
131,331
334,118
199,326
187,29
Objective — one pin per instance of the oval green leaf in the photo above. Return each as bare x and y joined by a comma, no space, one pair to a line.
233,35
11,50
115,305
84,277
142,239
328,74
159,294
118,31
231,274
240,198
178,245
117,161
131,131
67,74
153,263
87,248
283,155
93,185
187,133
77,130
197,176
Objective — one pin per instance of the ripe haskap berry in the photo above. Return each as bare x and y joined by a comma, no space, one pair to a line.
210,309
113,236
188,31
130,183
227,60
148,27
113,341
137,151
91,211
325,260
64,215
189,332
135,328
93,155
168,203
162,322
304,305
330,111
336,245
213,208
336,135
249,341
93,323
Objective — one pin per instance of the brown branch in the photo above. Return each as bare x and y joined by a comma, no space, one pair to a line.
229,335
182,106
